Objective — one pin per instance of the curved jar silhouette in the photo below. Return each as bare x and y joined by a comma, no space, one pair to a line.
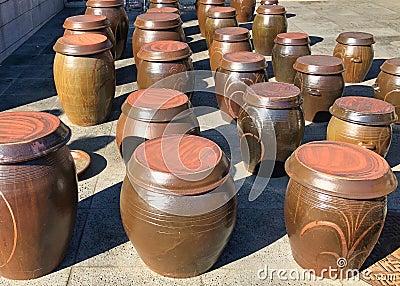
178,204
38,193
164,3
202,9
335,205
163,10
218,17
244,9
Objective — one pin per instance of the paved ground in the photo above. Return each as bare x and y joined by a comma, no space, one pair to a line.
100,253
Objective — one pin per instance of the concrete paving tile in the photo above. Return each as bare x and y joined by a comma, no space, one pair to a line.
57,278
44,71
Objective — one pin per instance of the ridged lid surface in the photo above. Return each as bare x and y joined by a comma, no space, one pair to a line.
231,34
80,45
355,39
292,39
164,51
319,64
158,21
243,61
86,22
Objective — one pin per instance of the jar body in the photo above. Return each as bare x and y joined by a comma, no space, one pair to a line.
387,88
265,29
213,24
202,11
218,49
244,9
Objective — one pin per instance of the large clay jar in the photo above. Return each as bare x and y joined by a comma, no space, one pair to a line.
203,7
39,193
363,121
97,24
163,59
237,71
287,49
271,113
244,9
335,205
178,204
116,14
219,17
320,79
164,3
228,40
269,21
163,10
269,2
84,75
151,113
387,84
357,53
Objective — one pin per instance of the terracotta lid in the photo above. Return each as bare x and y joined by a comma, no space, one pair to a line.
212,2
341,169
104,3
179,165
355,39
163,10
363,110
163,1
273,95
269,2
221,12
243,61
157,21
292,39
231,34
84,44
271,9
164,51
155,104
25,135
391,66
86,22
319,64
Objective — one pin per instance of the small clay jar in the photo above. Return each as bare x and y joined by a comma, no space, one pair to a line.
97,24
203,7
363,121
219,17
39,193
287,49
228,40
116,14
269,21
163,10
164,3
84,75
357,53
320,79
269,2
178,204
244,9
387,84
335,205
237,71
151,113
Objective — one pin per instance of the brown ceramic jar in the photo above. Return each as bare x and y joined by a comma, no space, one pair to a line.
287,49
362,121
271,111
269,2
357,53
237,71
151,113
116,14
335,205
320,79
203,7
219,17
269,21
39,193
84,75
164,3
163,10
178,204
387,84
244,9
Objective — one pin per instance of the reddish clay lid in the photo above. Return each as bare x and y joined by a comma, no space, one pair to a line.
157,21
164,51
319,64
269,2
231,34
221,12
355,39
84,44
273,95
341,169
86,22
25,135
163,1
104,3
179,165
212,2
364,110
243,61
292,39
271,9
391,66
163,10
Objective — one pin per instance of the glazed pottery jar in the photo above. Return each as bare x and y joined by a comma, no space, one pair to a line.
335,205
357,53
271,110
269,21
387,84
162,59
164,3
320,79
84,75
39,193
150,27
237,71
219,17
269,2
287,49
163,10
90,24
362,121
244,9
116,14
228,40
203,7
151,113
178,204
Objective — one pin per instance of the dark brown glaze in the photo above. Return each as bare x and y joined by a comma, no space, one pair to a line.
164,4
219,17
163,10
202,9
244,9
